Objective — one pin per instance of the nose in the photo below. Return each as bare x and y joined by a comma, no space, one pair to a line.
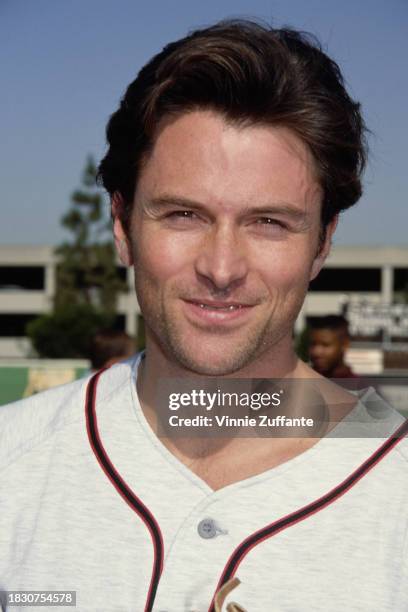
221,259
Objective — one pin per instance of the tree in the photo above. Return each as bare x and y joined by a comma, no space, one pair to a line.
87,281
87,271
302,344
66,332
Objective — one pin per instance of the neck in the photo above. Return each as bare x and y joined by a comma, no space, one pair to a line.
281,362
237,456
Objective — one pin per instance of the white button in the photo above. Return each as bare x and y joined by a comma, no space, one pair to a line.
207,528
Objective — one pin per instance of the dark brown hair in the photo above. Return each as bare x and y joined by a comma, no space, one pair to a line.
252,74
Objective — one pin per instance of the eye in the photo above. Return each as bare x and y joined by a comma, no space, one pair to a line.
270,225
270,221
181,214
182,219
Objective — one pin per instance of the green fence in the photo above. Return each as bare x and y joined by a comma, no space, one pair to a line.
23,379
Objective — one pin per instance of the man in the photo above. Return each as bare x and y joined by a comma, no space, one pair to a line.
229,159
328,341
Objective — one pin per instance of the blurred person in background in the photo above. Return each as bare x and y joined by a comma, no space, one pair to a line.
109,346
329,340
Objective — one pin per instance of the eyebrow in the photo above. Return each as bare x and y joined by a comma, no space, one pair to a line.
165,201
282,208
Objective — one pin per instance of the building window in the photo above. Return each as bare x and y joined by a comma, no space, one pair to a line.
120,323
401,279
122,273
343,280
22,278
14,325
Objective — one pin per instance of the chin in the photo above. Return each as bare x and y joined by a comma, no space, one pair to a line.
213,360
205,368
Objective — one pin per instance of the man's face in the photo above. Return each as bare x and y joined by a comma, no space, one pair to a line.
326,349
224,239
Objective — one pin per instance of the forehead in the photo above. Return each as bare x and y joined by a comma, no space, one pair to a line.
202,156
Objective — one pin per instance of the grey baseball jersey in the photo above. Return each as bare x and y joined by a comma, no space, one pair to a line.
92,501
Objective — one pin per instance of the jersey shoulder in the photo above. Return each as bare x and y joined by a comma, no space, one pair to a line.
29,422
26,423
384,421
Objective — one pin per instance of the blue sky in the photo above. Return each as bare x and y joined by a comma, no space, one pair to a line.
66,63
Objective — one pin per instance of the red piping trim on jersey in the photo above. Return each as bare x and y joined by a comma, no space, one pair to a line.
123,489
275,527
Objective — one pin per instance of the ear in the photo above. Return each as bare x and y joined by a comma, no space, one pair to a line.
121,240
324,249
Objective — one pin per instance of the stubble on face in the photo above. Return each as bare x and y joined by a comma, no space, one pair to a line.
164,327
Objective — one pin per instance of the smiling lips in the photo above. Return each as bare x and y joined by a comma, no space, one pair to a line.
217,305
217,311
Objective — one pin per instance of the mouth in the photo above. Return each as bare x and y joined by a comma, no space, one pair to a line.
212,311
217,305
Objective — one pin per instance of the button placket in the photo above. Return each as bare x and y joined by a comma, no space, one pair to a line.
203,528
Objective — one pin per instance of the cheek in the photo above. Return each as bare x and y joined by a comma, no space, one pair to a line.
160,256
286,270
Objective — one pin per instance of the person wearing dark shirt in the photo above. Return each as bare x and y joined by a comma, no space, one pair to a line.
329,339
